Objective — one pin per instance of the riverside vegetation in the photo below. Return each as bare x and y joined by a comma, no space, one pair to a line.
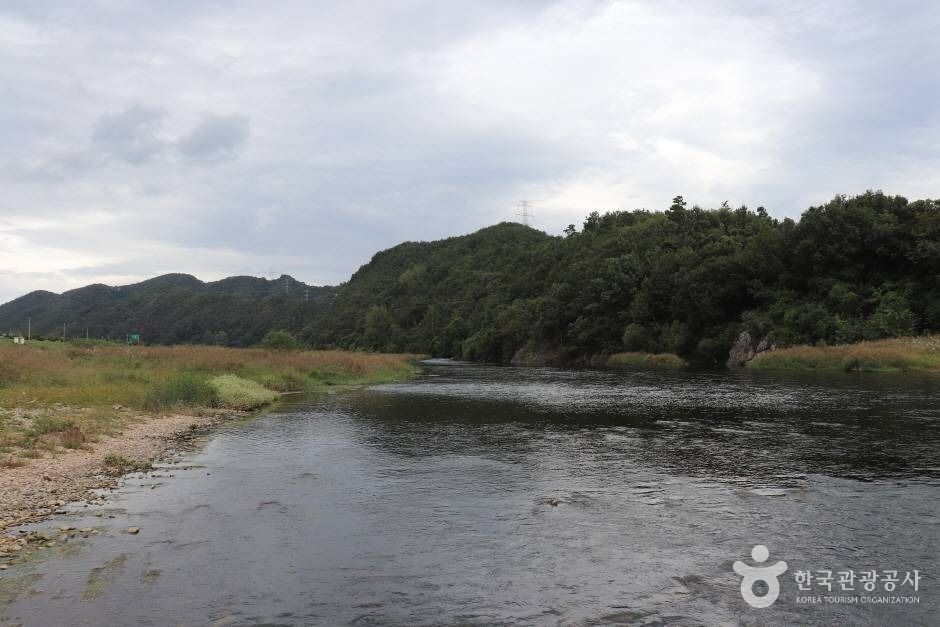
66,395
686,281
908,354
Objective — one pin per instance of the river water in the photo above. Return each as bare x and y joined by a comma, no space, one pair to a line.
494,495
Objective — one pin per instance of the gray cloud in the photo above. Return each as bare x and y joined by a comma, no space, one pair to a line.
131,134
215,137
223,138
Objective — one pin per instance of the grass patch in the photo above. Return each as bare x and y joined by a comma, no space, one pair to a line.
52,431
646,360
182,389
65,394
236,393
50,424
117,465
911,354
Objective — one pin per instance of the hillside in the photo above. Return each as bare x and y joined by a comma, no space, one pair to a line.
686,281
171,309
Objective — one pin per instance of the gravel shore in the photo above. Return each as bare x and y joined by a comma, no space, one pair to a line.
42,486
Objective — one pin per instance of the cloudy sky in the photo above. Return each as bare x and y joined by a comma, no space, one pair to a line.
221,138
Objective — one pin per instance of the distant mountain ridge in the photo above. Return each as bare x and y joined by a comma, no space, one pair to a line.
171,309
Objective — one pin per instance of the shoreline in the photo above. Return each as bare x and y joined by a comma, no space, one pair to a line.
42,486
75,418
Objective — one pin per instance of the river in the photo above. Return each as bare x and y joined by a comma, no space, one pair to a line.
496,495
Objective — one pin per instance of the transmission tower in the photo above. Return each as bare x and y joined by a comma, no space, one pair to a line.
525,211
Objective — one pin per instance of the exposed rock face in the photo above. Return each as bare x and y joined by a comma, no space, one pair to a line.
746,348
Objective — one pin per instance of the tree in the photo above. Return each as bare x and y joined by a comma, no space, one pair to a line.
378,327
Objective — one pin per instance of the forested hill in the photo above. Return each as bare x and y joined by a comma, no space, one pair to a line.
171,309
686,280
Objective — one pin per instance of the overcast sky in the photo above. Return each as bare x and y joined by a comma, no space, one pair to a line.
222,138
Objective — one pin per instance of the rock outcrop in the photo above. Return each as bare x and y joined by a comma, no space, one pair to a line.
746,348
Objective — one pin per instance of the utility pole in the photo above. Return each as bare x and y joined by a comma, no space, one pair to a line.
525,211
63,331
29,328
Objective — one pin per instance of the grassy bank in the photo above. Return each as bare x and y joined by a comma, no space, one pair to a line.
646,360
57,395
893,355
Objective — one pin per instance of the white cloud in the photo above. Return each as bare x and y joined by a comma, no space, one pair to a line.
648,103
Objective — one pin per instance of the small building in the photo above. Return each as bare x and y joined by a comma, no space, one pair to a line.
19,340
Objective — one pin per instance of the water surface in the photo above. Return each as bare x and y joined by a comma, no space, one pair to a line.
482,494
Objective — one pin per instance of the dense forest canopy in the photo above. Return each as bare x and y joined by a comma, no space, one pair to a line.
686,280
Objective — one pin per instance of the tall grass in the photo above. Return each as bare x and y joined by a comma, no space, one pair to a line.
87,390
182,389
646,360
892,355
153,377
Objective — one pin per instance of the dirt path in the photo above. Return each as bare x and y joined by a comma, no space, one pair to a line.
37,489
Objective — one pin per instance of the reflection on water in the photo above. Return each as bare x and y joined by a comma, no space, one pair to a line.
480,494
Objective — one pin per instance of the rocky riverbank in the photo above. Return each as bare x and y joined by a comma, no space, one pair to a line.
41,486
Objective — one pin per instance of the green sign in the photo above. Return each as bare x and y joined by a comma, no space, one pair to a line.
134,338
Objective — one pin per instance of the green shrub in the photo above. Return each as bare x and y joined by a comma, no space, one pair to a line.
237,393
185,389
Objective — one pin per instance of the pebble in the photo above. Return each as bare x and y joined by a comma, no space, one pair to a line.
133,530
